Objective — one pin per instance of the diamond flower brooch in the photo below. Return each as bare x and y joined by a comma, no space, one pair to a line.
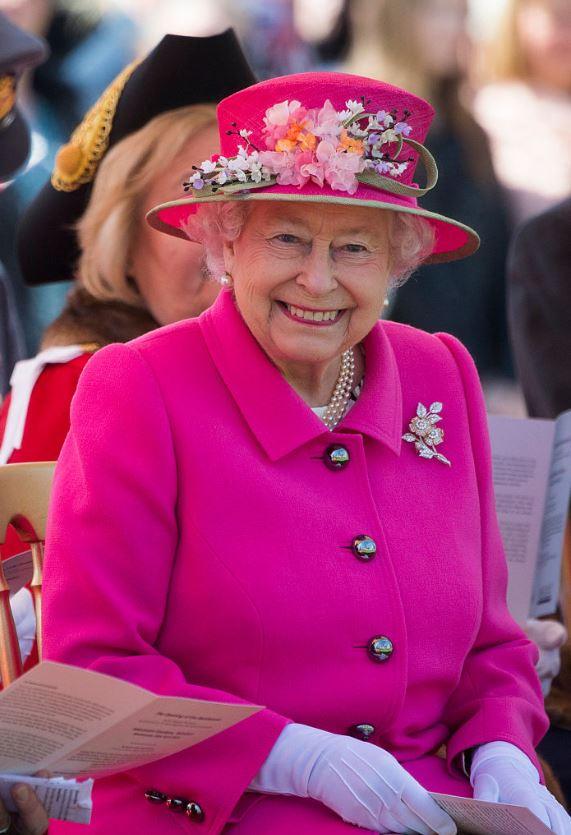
424,433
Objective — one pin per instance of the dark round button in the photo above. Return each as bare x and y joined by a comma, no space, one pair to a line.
154,796
364,547
336,457
362,731
194,812
380,648
177,804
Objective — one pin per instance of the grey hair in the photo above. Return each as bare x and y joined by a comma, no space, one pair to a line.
411,237
411,240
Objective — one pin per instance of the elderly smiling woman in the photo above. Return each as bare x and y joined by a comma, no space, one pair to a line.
289,502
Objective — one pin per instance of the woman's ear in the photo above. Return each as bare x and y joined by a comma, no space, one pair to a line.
229,255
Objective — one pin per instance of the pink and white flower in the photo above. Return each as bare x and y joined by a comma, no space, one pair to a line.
278,119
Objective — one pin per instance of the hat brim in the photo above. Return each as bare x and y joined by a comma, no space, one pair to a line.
453,240
14,147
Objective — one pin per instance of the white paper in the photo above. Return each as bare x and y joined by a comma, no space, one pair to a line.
521,454
65,800
546,583
75,722
18,571
478,817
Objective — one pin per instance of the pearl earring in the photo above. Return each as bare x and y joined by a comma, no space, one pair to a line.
386,302
226,280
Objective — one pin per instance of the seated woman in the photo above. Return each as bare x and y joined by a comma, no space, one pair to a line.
289,502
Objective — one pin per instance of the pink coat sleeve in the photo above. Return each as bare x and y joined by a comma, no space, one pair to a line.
498,696
111,542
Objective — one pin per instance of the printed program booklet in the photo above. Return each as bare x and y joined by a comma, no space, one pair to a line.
532,484
73,723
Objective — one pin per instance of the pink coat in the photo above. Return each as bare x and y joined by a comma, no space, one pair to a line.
200,545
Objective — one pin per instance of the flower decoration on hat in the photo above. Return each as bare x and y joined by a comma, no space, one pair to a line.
424,433
323,145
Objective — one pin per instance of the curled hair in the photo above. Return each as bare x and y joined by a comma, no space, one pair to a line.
212,225
109,227
411,240
411,237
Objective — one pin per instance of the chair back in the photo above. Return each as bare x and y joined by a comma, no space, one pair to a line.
24,499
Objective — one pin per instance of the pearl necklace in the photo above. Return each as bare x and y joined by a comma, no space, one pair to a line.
342,392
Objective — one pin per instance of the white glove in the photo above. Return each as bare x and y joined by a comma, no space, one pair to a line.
502,773
24,615
361,782
549,635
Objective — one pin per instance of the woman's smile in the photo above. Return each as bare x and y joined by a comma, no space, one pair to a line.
311,316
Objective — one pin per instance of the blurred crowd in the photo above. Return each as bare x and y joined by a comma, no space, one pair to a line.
514,72
499,77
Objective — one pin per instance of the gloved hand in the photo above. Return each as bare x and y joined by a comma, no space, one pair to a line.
24,616
502,773
549,635
363,784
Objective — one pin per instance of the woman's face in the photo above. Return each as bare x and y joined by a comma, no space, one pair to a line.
169,272
544,29
309,280
439,30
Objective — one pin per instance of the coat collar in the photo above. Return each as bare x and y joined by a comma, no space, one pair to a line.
276,414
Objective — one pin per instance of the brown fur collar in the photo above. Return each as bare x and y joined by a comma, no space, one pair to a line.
86,319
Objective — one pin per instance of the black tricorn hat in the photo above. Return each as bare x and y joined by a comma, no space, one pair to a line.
18,52
180,71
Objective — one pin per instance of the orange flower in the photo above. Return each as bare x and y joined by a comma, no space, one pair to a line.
297,135
347,143
307,141
285,145
294,131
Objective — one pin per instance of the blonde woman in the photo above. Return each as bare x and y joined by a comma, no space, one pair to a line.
120,292
526,107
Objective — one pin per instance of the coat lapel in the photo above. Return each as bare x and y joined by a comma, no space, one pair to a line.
378,411
275,413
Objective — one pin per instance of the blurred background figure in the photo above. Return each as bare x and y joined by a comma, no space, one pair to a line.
526,107
279,36
19,52
89,45
539,304
424,46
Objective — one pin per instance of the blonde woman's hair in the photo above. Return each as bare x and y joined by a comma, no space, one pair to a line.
384,47
109,225
505,54
383,44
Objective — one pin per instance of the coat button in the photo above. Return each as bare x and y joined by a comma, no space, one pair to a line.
177,804
195,812
363,731
336,457
364,547
380,648
154,796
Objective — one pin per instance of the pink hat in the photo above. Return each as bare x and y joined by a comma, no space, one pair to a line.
321,137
